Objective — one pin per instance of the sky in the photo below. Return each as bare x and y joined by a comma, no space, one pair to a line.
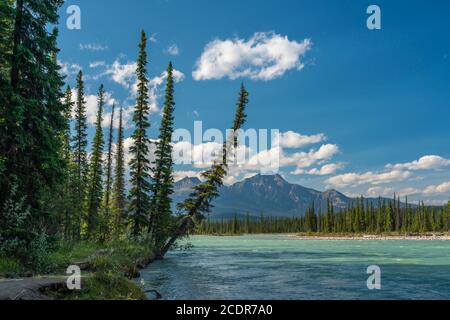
362,111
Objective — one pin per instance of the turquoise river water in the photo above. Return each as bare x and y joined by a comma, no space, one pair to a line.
282,267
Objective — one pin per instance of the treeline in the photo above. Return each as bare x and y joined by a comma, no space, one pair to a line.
51,186
363,217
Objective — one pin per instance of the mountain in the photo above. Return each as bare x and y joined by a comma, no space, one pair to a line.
270,195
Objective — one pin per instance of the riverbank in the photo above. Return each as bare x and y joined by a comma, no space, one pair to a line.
107,273
347,236
390,236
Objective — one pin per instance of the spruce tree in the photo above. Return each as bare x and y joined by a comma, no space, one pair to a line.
6,28
140,164
109,178
119,196
200,200
388,222
67,203
33,122
95,192
162,187
79,154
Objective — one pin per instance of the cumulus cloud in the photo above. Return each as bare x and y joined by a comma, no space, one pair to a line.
123,74
291,139
356,179
430,162
325,170
265,56
437,189
307,159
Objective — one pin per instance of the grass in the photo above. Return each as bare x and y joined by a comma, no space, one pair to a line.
10,268
110,269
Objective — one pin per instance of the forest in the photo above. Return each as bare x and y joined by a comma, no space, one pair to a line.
363,217
57,189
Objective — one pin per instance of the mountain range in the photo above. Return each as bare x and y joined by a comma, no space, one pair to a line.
270,195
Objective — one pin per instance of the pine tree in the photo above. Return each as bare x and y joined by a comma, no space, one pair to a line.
79,152
446,219
31,127
95,192
388,221
330,215
6,28
162,187
119,196
199,202
140,164
67,202
109,179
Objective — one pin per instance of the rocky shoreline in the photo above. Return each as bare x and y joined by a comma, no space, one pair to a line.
373,237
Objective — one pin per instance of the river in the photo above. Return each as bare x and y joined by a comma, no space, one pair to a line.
282,267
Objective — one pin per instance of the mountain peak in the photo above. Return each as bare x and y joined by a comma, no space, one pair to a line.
187,182
266,178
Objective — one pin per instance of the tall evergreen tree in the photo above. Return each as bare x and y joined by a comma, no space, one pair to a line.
6,28
162,187
33,122
109,178
140,163
119,196
79,145
200,201
95,192
67,203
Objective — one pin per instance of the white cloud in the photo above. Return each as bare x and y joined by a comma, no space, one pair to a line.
180,174
307,159
96,64
430,162
325,170
172,50
152,38
291,139
437,189
155,85
265,56
69,69
178,76
92,107
355,179
93,46
123,74
389,192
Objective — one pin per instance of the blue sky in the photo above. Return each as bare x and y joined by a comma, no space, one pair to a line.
379,97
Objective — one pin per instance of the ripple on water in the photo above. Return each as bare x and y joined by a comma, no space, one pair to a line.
277,267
